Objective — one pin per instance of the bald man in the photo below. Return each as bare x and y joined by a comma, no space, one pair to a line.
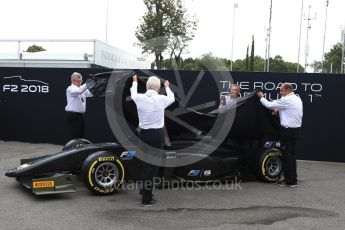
290,108
150,107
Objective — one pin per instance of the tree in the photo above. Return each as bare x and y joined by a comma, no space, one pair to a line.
210,62
277,64
206,62
35,48
251,65
189,64
165,26
182,32
332,60
259,63
239,65
247,59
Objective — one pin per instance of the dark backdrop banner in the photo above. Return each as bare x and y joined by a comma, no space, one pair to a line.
32,102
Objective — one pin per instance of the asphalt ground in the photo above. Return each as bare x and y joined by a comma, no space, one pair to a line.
318,202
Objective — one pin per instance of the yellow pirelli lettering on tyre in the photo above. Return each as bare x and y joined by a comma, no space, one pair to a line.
123,173
43,184
275,154
90,171
270,179
263,165
100,190
106,158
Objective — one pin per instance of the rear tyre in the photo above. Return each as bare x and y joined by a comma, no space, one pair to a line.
269,165
76,144
103,173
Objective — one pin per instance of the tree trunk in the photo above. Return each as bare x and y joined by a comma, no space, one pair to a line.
161,59
158,63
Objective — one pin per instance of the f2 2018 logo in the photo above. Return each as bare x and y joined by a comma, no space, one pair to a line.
17,84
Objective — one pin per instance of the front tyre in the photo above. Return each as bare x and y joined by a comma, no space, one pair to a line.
269,165
103,173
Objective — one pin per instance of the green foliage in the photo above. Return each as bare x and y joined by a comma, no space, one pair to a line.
259,63
332,58
35,48
165,27
240,65
205,62
210,62
277,64
253,63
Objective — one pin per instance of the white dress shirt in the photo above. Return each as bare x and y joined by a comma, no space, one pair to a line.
290,110
228,99
76,98
151,106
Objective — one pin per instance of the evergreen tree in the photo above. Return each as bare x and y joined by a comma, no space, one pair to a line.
247,59
251,66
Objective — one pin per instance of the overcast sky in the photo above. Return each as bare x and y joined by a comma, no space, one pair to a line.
86,19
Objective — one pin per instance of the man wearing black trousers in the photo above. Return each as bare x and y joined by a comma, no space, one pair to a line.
150,108
76,95
290,108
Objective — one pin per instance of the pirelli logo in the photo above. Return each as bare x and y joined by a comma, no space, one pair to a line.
43,184
106,158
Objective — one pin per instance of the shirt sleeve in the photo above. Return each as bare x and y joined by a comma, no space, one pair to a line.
223,100
169,98
279,104
75,91
88,93
134,90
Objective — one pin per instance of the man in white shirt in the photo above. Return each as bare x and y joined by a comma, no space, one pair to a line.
76,95
150,108
233,96
290,109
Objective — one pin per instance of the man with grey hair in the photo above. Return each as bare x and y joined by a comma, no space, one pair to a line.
76,105
233,96
290,108
150,108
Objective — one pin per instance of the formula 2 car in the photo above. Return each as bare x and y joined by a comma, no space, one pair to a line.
250,147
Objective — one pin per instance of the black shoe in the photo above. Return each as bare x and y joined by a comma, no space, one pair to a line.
283,183
147,204
293,185
140,194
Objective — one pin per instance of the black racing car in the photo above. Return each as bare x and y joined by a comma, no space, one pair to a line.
249,147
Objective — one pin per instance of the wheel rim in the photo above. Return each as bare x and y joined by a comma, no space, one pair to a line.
273,166
106,174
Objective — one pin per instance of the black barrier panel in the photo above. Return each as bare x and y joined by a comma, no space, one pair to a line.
33,104
33,101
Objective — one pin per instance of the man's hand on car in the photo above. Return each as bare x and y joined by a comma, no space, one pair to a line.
275,112
260,94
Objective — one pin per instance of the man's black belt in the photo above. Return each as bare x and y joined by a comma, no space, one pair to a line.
291,128
75,113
